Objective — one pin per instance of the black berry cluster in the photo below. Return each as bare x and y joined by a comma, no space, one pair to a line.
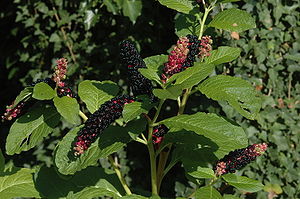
47,80
239,158
193,46
100,120
65,91
158,134
131,59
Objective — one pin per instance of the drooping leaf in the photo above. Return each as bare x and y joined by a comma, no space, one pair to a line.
68,108
236,91
24,94
95,93
110,141
233,20
136,127
243,183
132,9
43,91
184,6
134,109
225,135
156,62
19,184
172,92
150,74
207,192
222,55
88,183
193,75
28,130
202,172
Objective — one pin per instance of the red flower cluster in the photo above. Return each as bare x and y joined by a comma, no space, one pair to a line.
13,111
60,72
184,54
99,121
239,158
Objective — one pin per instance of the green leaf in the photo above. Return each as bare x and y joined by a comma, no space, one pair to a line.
92,182
110,141
43,91
134,196
94,93
233,20
237,92
184,6
30,129
19,184
132,9
295,57
243,183
224,134
2,162
68,108
222,55
24,94
172,92
150,74
156,62
202,172
193,75
134,109
136,127
229,196
186,24
227,1
207,192
111,6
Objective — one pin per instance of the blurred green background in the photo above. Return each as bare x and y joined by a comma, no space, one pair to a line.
35,33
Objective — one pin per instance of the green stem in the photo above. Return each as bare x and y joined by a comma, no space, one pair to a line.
207,10
83,116
165,154
152,162
118,172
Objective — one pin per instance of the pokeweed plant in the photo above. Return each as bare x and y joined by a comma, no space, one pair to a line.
210,147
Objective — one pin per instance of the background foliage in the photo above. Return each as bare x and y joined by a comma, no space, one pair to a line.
34,34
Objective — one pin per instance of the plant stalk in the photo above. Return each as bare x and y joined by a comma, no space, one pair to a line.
118,172
83,116
207,10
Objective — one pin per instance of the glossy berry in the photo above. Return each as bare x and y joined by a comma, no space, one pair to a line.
64,90
131,59
158,134
99,121
239,158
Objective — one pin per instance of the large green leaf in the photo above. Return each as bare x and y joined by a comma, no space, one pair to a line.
43,91
132,9
134,196
207,192
132,110
24,94
233,20
68,108
229,196
28,130
243,183
87,184
95,93
19,184
224,134
222,55
193,75
237,92
110,141
184,6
